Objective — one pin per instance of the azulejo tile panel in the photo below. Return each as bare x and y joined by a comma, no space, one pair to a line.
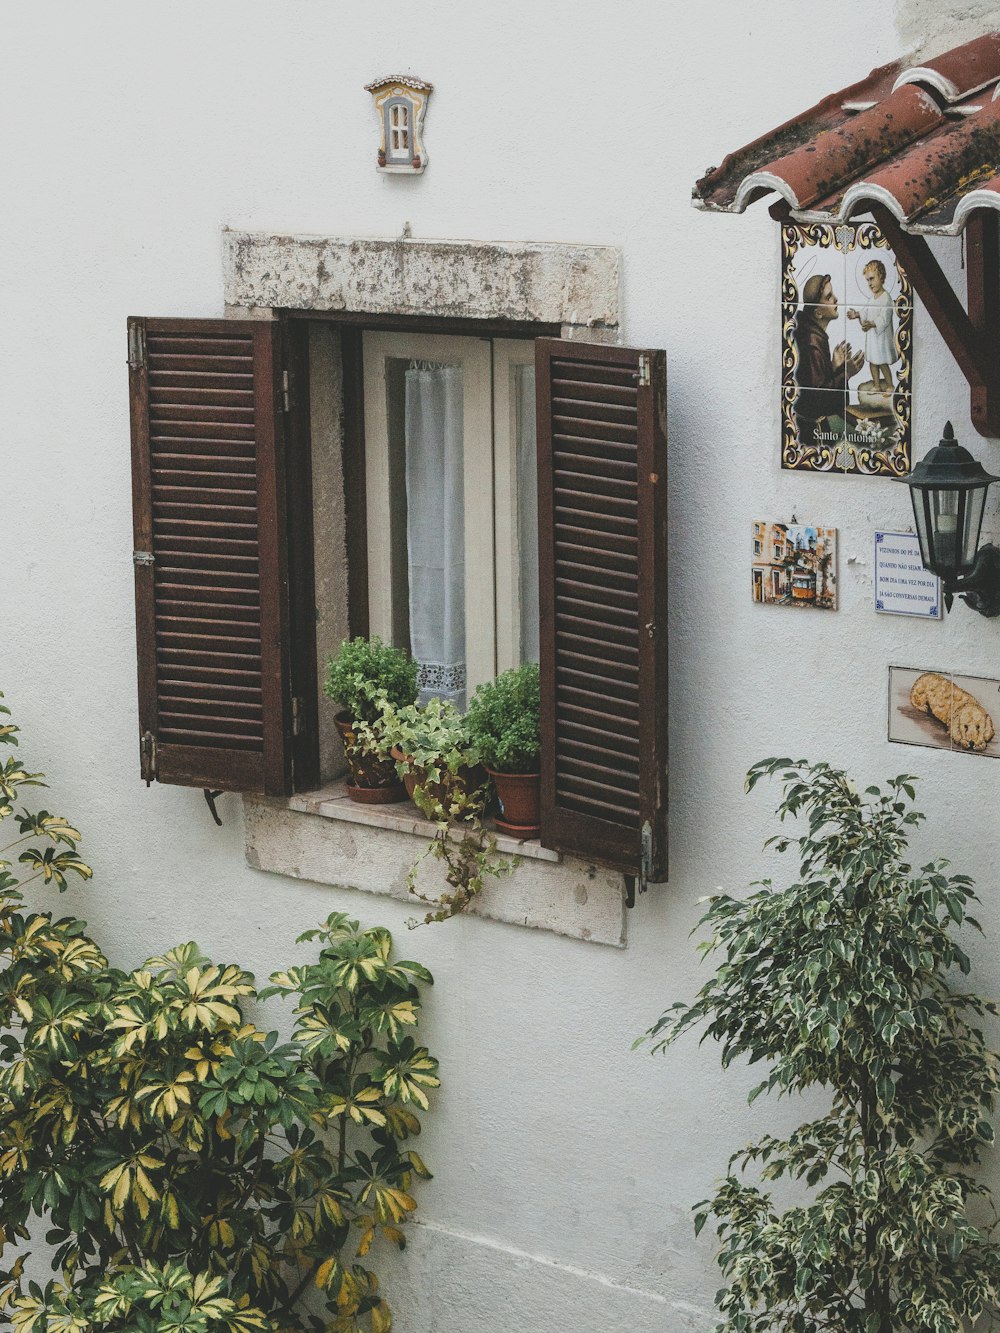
846,330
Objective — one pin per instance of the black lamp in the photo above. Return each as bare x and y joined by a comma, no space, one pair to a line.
948,489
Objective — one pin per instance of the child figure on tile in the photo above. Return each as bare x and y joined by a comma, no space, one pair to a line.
879,328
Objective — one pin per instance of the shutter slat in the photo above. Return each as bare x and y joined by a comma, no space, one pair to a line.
231,439
602,550
584,445
594,482
597,464
209,506
565,390
210,691
200,350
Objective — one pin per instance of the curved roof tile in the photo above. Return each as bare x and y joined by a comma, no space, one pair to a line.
923,141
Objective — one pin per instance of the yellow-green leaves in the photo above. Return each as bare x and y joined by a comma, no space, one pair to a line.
153,1133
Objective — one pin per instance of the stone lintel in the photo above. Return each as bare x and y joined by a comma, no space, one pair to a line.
576,286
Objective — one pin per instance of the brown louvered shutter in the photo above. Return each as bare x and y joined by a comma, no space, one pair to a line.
602,472
210,552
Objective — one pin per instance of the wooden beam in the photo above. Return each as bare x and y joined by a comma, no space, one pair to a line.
970,336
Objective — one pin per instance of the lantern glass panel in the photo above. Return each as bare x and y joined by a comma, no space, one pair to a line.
922,515
972,521
944,529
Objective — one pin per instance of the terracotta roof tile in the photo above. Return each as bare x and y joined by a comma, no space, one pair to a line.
923,141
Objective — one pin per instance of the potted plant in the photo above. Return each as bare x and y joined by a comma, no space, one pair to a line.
433,754
503,723
366,676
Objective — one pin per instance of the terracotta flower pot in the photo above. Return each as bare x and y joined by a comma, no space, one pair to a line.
518,795
373,780
468,779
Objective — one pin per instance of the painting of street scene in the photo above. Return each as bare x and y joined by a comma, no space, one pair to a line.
794,564
846,342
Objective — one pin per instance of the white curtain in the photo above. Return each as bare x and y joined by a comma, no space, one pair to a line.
435,528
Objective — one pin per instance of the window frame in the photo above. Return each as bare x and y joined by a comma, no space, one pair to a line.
474,357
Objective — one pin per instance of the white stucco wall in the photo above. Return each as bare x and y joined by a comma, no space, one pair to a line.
564,1164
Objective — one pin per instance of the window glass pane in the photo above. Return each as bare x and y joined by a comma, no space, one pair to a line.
527,509
427,453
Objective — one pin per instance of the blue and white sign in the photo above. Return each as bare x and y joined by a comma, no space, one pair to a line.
902,586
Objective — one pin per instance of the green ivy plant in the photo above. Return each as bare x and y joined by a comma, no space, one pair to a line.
843,982
433,737
503,720
193,1173
366,673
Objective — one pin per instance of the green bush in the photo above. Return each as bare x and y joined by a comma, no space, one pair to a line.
192,1173
367,671
503,720
843,982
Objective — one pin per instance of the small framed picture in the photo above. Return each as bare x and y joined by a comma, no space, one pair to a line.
794,564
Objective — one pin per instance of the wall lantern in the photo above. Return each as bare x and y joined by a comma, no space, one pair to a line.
948,489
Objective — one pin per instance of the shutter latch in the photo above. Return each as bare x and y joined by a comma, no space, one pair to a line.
136,347
647,855
286,390
147,756
645,370
142,558
296,717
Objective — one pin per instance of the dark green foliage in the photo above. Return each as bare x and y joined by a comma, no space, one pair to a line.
503,720
843,982
191,1172
367,673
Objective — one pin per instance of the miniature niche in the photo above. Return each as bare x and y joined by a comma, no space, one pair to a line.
401,102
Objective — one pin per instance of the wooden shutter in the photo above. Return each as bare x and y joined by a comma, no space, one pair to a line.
210,552
603,576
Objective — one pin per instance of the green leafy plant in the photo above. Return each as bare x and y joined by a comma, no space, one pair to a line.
503,720
467,849
842,982
433,738
193,1173
368,673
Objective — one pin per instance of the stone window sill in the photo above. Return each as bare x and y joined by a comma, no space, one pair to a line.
333,802
325,837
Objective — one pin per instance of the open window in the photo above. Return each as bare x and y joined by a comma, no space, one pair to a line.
512,499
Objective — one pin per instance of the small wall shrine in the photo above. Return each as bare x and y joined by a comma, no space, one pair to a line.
846,341
401,102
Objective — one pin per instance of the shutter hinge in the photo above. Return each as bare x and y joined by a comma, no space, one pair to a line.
147,756
142,557
136,347
296,717
645,370
286,390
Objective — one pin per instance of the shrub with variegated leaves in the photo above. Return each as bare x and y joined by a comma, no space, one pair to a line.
189,1171
848,984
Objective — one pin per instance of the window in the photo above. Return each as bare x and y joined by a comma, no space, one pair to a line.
451,504
226,625
756,546
398,133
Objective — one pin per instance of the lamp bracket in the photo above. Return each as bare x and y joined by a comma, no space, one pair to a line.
980,589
